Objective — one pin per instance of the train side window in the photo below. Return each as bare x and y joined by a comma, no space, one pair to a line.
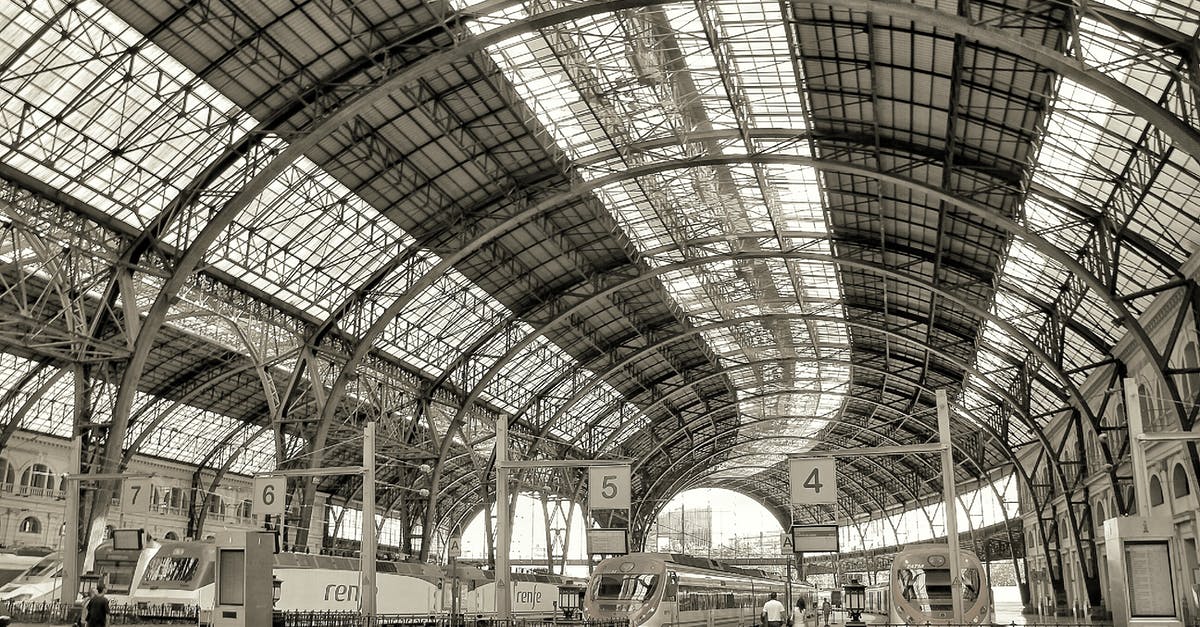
671,592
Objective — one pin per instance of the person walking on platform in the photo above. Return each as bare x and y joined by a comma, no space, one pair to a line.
773,612
97,608
826,609
800,619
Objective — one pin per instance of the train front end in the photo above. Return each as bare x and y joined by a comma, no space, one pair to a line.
626,588
921,588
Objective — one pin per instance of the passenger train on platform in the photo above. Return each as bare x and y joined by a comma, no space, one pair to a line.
918,592
652,589
169,577
39,581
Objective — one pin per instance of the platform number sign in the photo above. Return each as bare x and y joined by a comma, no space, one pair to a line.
137,496
608,487
270,495
814,481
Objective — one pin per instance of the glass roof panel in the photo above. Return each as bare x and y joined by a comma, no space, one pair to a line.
94,110
605,83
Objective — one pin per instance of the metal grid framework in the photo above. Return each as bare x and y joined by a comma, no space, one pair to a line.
702,235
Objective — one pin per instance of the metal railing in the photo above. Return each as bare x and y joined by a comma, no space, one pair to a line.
354,619
58,613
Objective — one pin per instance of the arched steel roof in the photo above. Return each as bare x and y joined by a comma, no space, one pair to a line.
701,235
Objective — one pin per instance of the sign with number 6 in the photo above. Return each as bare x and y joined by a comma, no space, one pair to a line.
270,496
608,487
814,481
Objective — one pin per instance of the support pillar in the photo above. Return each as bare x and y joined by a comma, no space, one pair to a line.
950,506
369,540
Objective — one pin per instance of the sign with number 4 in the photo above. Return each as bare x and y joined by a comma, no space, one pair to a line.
608,487
270,494
814,481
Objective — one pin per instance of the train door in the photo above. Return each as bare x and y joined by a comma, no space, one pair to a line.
669,606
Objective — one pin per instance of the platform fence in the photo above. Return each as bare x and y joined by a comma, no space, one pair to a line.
131,614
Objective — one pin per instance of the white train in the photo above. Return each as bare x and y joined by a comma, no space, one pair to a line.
170,578
39,581
920,588
653,589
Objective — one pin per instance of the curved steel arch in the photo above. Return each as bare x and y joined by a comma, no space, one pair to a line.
878,7
1116,305
1181,133
1008,327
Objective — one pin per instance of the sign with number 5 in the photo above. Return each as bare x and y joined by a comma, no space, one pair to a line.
270,494
814,481
608,487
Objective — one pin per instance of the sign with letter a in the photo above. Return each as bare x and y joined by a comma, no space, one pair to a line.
454,547
814,481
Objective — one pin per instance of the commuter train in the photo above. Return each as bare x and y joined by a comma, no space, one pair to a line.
533,594
653,589
170,577
878,600
37,582
14,562
919,590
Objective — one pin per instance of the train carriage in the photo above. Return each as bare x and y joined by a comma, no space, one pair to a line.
652,589
39,582
920,587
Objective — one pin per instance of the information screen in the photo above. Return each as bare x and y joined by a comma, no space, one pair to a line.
607,542
231,577
814,538
1148,573
127,539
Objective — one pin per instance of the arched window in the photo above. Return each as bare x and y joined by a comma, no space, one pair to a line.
29,524
37,480
1130,500
1098,514
8,476
1179,482
216,505
171,535
1156,493
1191,361
1150,417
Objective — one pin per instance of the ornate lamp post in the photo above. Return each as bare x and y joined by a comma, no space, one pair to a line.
854,597
277,619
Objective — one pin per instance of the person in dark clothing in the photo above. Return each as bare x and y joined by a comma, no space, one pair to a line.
97,608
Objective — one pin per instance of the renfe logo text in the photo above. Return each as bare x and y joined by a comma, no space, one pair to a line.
341,592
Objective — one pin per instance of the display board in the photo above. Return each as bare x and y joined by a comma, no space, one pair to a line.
127,539
815,538
607,542
1149,576
231,582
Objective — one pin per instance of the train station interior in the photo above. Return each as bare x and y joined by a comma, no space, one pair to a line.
521,278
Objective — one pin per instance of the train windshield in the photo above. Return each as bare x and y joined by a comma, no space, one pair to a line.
48,567
171,568
626,587
929,588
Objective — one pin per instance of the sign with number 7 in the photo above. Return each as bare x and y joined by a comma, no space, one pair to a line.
608,487
814,480
137,495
